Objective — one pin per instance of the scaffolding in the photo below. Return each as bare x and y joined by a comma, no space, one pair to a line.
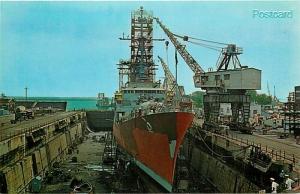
292,114
140,67
109,153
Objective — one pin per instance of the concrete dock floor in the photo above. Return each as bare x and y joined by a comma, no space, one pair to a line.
87,153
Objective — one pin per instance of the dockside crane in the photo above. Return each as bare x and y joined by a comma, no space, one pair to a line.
228,84
175,95
169,77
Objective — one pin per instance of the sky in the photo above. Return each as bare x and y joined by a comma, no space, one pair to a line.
72,48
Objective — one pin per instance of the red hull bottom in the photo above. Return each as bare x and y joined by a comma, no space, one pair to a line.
154,142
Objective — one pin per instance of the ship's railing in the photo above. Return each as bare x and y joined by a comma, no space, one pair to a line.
155,107
136,114
275,154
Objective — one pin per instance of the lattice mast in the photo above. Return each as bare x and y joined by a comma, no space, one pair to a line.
142,66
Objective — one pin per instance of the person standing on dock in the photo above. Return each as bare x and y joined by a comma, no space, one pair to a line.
288,183
274,185
281,176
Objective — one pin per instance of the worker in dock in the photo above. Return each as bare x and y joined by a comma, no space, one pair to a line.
288,183
140,112
127,165
274,185
281,176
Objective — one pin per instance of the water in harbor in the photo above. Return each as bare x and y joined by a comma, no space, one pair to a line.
87,103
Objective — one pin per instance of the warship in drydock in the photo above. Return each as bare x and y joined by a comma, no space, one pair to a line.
147,125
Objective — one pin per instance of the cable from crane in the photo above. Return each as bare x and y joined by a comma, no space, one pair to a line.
185,38
176,63
216,48
219,58
204,40
167,53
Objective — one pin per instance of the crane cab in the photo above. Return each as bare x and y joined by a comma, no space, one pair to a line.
235,79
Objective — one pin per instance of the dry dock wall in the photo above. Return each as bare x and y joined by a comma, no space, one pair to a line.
38,161
225,178
18,175
4,119
14,178
74,134
100,120
56,147
11,144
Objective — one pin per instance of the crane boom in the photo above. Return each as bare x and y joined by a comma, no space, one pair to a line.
175,94
225,85
169,76
191,62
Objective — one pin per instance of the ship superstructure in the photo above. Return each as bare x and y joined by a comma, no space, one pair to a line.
145,126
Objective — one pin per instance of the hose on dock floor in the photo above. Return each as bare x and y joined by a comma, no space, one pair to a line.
87,127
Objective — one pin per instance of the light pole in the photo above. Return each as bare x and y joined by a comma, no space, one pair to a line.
26,89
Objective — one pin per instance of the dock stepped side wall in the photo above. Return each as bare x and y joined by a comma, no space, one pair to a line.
225,178
232,164
17,175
